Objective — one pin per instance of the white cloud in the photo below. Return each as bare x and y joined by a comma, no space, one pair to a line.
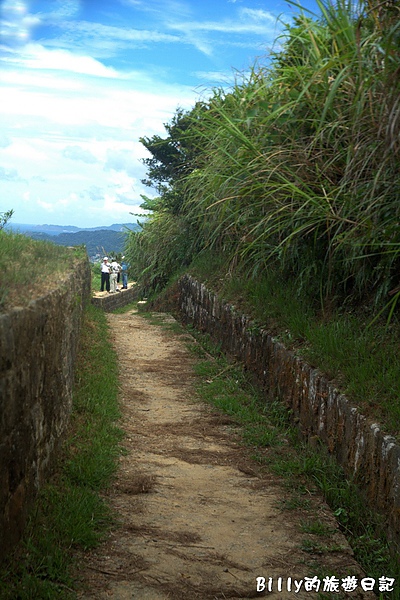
121,160
241,30
47,206
257,14
78,153
89,30
62,94
35,56
15,23
121,109
94,125
33,152
158,9
104,41
40,81
72,119
121,183
64,9
216,77
10,175
249,22
94,193
108,40
4,141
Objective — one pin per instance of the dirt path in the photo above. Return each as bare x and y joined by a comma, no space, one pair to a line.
198,518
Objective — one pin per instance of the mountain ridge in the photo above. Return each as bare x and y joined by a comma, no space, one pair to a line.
54,230
108,240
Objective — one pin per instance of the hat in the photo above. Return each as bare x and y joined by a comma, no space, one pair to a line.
105,258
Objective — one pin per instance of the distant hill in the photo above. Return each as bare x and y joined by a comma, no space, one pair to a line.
102,241
57,229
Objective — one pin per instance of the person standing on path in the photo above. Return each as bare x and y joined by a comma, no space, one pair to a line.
105,275
115,269
124,267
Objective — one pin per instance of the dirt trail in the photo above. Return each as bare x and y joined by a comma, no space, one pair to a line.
198,518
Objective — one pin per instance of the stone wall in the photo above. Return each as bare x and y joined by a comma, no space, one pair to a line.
38,345
109,302
320,410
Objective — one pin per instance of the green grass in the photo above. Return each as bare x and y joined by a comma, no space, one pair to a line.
27,265
316,528
361,357
132,306
96,276
304,470
294,171
70,513
223,386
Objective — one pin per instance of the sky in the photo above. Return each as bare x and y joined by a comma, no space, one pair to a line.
82,80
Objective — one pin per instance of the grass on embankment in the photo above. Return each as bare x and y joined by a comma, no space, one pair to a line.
360,356
276,445
30,266
70,515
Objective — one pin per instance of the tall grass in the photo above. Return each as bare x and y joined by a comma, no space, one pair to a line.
299,161
294,172
295,166
163,247
28,265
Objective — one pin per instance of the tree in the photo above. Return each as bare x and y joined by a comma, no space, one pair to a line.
5,217
173,157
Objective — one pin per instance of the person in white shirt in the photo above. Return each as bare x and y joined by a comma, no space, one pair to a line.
115,269
105,274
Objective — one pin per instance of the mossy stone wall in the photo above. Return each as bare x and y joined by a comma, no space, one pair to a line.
318,408
110,302
38,346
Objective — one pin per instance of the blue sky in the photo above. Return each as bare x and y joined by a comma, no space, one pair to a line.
82,80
